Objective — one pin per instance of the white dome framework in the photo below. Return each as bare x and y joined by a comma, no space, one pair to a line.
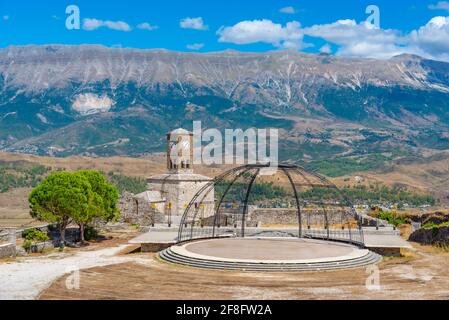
291,202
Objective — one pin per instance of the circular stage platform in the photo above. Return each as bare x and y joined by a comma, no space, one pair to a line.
269,254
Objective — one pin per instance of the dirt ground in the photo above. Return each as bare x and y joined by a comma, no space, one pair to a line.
26,277
14,209
421,274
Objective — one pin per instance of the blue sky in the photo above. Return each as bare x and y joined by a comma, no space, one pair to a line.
216,25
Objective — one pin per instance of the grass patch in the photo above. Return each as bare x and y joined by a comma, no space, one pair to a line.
338,167
432,225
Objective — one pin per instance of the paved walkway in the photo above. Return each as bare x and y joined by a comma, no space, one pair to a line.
384,237
385,241
156,237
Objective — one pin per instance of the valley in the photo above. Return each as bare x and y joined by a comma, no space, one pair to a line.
421,177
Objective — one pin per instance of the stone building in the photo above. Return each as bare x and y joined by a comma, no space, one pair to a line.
180,184
146,208
169,194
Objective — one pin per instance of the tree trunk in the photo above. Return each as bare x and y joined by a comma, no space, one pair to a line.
62,228
82,232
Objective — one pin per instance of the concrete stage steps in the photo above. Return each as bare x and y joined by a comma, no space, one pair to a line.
169,255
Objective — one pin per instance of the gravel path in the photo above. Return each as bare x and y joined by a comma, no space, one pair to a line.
27,277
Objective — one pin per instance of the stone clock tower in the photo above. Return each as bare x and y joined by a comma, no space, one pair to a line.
180,151
180,183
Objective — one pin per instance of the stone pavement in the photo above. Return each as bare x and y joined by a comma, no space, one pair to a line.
383,238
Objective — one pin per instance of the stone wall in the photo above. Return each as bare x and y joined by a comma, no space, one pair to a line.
387,252
275,216
5,232
438,235
137,211
4,236
222,219
41,246
290,216
9,235
154,247
258,216
7,250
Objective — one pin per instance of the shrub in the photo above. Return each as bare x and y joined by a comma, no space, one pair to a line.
27,245
90,233
34,235
392,218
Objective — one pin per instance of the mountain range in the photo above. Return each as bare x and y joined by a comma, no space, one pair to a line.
98,101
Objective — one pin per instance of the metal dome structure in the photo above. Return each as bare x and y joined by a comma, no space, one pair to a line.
251,201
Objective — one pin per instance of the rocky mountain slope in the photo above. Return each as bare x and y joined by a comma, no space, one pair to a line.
93,100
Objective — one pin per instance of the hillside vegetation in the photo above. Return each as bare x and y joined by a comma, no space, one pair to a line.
372,195
20,175
23,174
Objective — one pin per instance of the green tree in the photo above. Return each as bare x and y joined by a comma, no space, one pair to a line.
102,205
80,197
60,198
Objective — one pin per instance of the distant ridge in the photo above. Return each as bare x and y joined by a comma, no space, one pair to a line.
94,100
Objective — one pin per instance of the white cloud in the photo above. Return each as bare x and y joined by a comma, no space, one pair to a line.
359,40
246,32
365,41
433,38
195,46
5,18
288,10
326,48
441,5
193,23
350,39
146,26
93,24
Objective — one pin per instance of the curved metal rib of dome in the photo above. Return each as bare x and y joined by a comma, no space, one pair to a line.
292,201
